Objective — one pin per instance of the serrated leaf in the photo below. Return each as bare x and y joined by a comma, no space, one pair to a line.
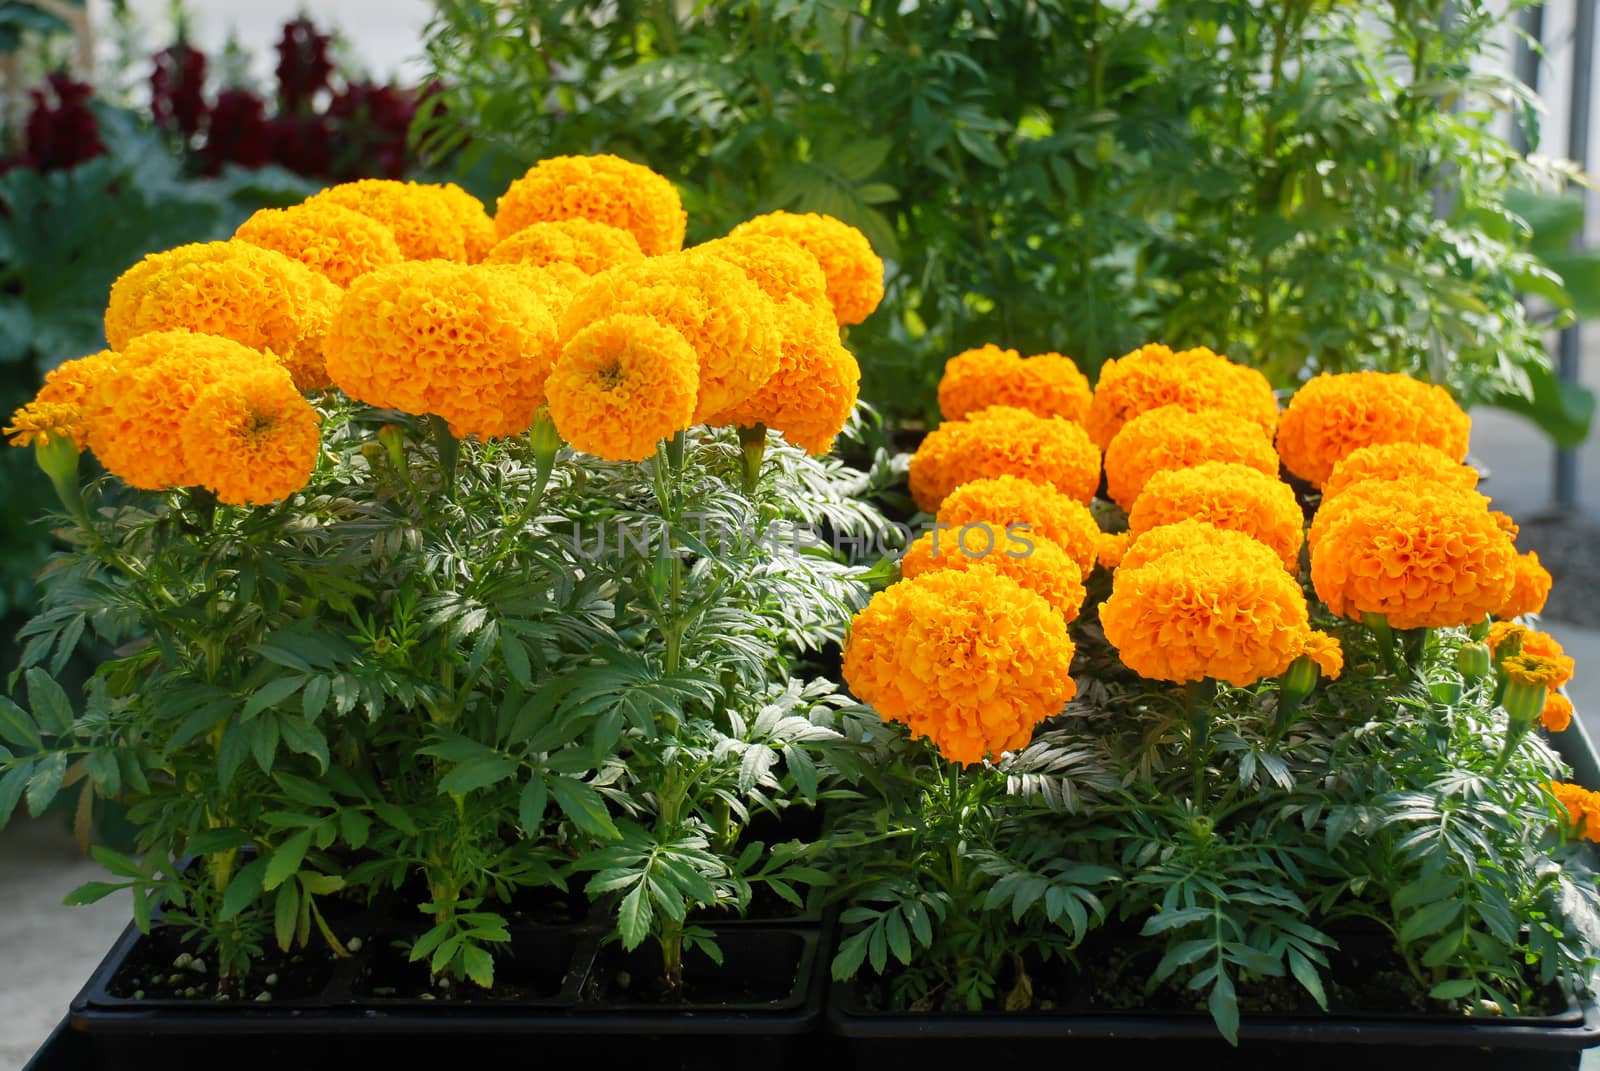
1453,989
12,784
17,727
633,917
286,859
91,892
303,738
585,807
1224,1007
531,806
49,702
396,817
476,774
1429,920
244,889
271,694
286,915
1305,972
46,781
847,961
478,964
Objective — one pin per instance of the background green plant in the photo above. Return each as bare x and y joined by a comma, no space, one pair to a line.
1309,186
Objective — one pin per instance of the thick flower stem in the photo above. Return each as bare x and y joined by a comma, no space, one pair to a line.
449,448
1196,696
753,447
1515,731
1386,643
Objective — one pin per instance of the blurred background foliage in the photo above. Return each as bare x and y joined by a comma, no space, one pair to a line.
1304,185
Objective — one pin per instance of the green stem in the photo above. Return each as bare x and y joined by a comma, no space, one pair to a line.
449,448
1199,714
752,447
1386,643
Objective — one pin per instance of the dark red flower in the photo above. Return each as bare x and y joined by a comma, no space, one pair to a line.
64,133
176,87
237,132
303,65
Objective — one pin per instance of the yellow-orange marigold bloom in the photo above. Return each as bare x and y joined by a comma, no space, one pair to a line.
1535,670
256,297
425,224
250,436
1228,495
1154,376
814,389
478,234
553,285
1530,589
1332,416
853,270
1172,437
1004,501
1582,808
604,188
1557,713
969,659
725,317
1001,441
1326,652
1048,384
1159,542
1424,562
1394,461
1196,613
1110,549
336,243
1543,645
462,342
60,407
138,405
1360,495
1045,569
1501,631
621,385
584,244
782,267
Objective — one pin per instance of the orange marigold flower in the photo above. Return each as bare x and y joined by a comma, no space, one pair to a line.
425,224
462,342
478,234
1111,549
1326,652
1582,808
854,271
1535,670
604,188
1393,461
336,243
967,658
1038,510
1228,495
1172,437
1154,376
1358,496
1507,525
814,390
256,297
1044,569
729,322
250,436
1421,562
1501,631
1048,384
621,385
782,267
60,407
1332,416
553,285
1557,713
1529,590
1001,441
1159,542
138,406
584,244
1544,645
1196,613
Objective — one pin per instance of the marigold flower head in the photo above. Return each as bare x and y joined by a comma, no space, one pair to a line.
1393,461
1529,590
815,387
1332,416
1172,437
1326,652
1044,568
478,234
553,285
1111,548
1196,613
425,223
462,342
731,325
1038,510
1048,384
250,436
335,242
138,406
1502,631
1543,645
967,658
1228,495
853,270
621,385
1358,496
1154,376
1582,808
1557,713
256,297
1001,441
782,267
60,407
603,188
588,246
1159,542
1421,562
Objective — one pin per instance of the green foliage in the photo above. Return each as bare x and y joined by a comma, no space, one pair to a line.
1314,186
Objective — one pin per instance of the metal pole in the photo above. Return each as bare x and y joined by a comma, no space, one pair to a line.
1530,23
1569,355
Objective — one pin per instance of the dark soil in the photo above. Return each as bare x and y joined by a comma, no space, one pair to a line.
162,966
533,969
757,969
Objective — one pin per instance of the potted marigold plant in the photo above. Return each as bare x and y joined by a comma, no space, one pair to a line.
458,574
1304,790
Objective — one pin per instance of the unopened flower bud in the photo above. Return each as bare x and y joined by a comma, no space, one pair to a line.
1473,661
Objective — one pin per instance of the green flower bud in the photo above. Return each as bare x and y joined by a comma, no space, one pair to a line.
1473,661
393,439
1523,700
